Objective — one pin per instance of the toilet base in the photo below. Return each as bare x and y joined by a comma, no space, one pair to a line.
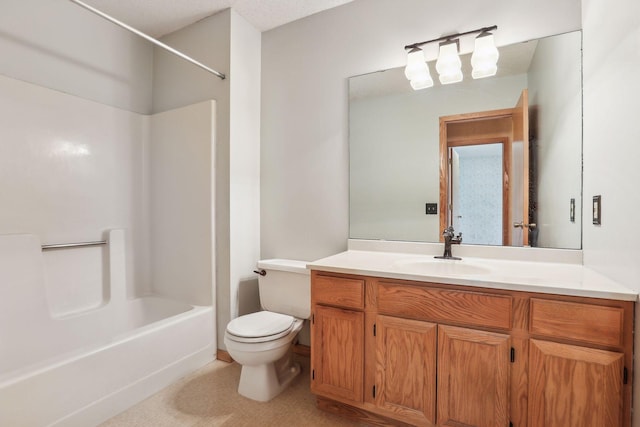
264,382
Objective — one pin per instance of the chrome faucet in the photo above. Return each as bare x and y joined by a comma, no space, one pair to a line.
450,239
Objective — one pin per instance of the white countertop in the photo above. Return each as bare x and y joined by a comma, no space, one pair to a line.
543,277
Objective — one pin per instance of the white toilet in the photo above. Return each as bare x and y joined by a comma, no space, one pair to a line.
262,342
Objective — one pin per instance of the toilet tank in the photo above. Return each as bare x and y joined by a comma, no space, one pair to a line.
286,287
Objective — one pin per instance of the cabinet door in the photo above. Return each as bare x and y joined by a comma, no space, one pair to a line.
572,386
406,369
337,353
473,378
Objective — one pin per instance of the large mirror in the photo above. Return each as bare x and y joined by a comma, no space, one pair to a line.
396,152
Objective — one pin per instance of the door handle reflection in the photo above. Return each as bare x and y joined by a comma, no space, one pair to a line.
523,225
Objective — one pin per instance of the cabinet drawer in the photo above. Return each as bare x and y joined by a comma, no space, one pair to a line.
578,322
441,305
338,291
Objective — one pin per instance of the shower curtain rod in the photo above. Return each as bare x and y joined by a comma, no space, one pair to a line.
149,38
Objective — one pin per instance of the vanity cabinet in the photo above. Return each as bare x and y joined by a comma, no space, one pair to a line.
405,369
338,359
574,386
583,384
393,352
473,377
338,338
472,365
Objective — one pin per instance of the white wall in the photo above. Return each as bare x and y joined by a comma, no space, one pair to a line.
557,105
59,45
611,135
611,32
177,83
181,188
244,167
305,66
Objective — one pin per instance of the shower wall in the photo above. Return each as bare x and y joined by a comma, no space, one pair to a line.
70,169
182,192
61,46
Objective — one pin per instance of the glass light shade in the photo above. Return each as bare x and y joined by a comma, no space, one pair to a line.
453,77
449,64
486,70
416,65
422,82
485,57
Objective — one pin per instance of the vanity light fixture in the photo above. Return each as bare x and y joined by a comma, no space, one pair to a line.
484,59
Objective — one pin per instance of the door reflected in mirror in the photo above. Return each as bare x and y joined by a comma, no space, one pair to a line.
396,166
508,127
477,193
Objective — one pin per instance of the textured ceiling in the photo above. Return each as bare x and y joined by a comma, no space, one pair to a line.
160,17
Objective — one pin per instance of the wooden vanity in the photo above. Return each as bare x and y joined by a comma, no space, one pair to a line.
393,352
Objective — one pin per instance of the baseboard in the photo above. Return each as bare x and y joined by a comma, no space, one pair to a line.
302,350
224,356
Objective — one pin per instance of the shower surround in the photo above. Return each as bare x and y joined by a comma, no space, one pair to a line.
85,332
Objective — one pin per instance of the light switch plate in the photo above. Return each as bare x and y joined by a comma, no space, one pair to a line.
572,210
597,210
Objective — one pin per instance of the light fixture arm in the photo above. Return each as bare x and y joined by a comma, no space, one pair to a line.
450,37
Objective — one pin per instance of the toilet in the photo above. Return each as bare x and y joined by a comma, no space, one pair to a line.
262,342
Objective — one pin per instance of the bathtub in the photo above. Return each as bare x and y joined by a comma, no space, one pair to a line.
83,368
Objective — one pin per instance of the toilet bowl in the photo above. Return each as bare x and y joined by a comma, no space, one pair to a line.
267,361
262,342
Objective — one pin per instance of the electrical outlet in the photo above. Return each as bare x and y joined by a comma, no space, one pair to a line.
432,209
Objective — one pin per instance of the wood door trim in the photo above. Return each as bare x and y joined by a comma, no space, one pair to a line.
478,115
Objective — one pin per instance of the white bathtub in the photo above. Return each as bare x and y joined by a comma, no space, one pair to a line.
80,370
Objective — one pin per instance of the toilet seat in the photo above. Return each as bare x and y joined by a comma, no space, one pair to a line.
260,327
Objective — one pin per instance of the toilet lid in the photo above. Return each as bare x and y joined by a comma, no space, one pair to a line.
264,325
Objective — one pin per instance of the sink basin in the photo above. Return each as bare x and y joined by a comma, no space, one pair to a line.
443,267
